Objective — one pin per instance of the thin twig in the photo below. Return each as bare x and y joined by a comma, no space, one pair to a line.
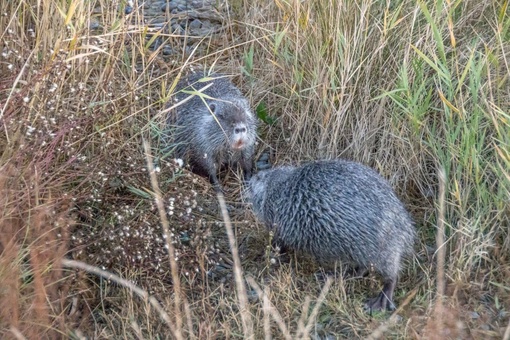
440,243
270,308
304,314
168,238
506,336
315,311
238,273
17,334
266,308
187,310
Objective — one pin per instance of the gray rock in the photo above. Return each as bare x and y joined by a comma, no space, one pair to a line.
167,50
264,157
94,25
207,24
263,161
172,5
263,165
158,21
177,29
195,24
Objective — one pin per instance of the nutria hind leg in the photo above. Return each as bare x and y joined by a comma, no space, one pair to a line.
384,301
356,272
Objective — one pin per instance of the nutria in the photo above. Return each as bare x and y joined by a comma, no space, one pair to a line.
337,210
213,128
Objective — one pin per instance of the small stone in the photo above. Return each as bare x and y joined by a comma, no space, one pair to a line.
252,295
172,5
94,25
156,43
263,162
203,3
159,21
195,24
197,4
263,166
188,50
177,29
159,25
474,315
115,183
182,8
185,239
264,157
167,50
319,327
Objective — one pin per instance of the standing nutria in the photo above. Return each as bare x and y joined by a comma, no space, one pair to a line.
337,210
212,127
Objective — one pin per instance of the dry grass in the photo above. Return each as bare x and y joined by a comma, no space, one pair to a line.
407,88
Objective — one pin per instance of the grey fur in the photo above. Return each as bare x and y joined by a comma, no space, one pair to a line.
213,130
337,210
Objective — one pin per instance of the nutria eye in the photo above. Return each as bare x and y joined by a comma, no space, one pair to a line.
212,106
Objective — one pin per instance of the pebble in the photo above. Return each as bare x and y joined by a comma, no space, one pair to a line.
177,29
94,25
252,295
263,166
219,272
158,21
171,6
264,157
182,8
263,162
194,24
168,50
156,43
